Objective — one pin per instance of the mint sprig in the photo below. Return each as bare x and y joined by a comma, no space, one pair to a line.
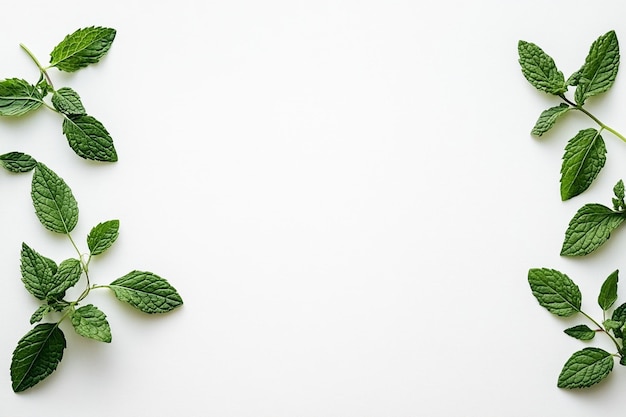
585,153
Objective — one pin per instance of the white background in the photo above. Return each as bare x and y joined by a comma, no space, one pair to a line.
345,193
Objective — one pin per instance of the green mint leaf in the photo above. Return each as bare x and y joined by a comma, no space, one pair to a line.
608,292
539,69
612,324
40,313
90,322
37,272
580,332
89,138
585,155
555,291
548,118
590,227
67,101
53,200
67,275
146,292
618,201
619,316
586,368
102,236
18,97
17,162
36,356
600,68
81,48
574,78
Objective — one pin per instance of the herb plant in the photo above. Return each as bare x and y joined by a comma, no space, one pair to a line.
39,352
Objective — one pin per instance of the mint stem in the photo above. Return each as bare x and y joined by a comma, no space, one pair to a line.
592,117
42,70
619,348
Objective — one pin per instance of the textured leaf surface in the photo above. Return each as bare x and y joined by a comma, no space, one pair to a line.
67,275
586,368
37,272
548,118
146,292
555,291
619,316
18,97
81,48
539,69
89,321
89,138
67,101
608,292
54,202
18,162
590,227
585,155
40,313
36,356
600,69
102,236
581,332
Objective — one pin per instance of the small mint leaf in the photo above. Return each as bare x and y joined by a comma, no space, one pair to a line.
585,368
574,78
36,356
90,322
608,292
53,200
18,97
40,313
81,48
102,236
590,227
17,162
68,274
555,291
146,292
89,138
600,69
37,272
539,69
585,155
580,332
67,101
548,118
619,317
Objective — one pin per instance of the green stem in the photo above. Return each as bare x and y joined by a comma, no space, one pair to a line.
42,70
619,348
592,117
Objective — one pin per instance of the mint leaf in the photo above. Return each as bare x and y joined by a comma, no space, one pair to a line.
90,322
146,292
89,138
608,292
555,291
81,48
600,69
103,236
618,201
590,227
539,69
574,78
54,202
585,155
37,272
17,162
36,356
67,275
67,101
40,313
586,368
18,97
619,316
548,118
580,332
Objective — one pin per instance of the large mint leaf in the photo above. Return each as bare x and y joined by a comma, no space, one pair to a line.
539,69
18,97
81,48
590,227
600,68
89,321
586,368
102,236
67,101
585,155
37,272
54,202
146,292
580,332
548,118
17,162
36,356
608,292
89,138
555,291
